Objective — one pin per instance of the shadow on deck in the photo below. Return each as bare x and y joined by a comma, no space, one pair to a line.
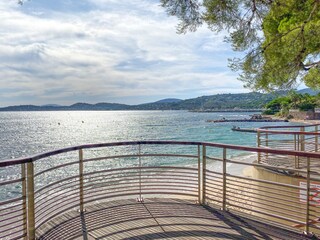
158,219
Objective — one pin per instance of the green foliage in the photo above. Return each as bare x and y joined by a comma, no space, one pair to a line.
280,37
293,100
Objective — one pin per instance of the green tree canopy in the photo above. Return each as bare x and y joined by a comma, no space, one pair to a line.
280,38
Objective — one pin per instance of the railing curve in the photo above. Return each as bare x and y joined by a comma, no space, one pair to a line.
297,138
70,179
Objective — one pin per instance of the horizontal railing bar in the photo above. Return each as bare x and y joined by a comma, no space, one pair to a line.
13,238
11,201
289,126
20,205
42,214
43,201
12,222
11,212
11,217
54,215
279,210
213,158
5,163
263,200
18,237
107,190
267,182
13,227
140,155
214,189
145,193
213,172
40,203
11,181
214,200
268,214
269,167
267,187
262,208
214,182
170,187
190,170
57,182
56,167
135,180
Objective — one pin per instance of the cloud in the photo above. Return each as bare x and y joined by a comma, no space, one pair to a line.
117,49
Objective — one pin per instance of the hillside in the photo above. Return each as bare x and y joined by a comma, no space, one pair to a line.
251,100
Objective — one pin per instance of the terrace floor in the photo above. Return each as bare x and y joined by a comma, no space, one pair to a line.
158,218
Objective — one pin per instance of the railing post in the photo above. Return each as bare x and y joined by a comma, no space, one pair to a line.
258,145
224,172
199,175
204,163
308,196
302,139
81,179
30,197
316,138
24,201
295,148
140,199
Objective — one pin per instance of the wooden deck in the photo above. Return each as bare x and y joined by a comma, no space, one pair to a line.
158,219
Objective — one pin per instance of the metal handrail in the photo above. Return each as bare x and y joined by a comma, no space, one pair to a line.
278,137
207,186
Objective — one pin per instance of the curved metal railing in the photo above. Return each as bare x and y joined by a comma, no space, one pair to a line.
297,138
37,189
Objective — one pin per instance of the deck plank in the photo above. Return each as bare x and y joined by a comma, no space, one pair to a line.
158,219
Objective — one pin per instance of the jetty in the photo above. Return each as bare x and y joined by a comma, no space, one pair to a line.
247,120
254,118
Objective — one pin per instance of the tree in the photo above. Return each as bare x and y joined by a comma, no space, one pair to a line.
280,38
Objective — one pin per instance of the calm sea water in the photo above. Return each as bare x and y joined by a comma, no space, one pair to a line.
27,133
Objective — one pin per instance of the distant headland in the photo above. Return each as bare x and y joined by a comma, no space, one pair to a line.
253,101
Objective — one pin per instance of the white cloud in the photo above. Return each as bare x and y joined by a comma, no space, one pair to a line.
115,49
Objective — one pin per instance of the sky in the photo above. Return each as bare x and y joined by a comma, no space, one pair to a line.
123,51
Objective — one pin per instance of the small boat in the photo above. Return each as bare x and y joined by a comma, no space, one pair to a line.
252,130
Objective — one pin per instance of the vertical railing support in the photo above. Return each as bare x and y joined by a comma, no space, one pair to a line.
308,196
295,148
298,149
140,198
224,174
81,180
199,175
302,139
258,145
316,139
30,197
24,201
204,163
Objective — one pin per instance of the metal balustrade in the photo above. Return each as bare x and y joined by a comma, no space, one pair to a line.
297,138
42,187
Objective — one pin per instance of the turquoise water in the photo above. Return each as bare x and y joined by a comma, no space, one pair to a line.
27,133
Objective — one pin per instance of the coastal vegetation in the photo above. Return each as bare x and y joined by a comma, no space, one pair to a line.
293,100
280,38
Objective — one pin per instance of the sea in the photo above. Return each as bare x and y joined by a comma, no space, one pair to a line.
24,134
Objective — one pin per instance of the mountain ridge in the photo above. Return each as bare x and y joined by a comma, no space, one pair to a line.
226,101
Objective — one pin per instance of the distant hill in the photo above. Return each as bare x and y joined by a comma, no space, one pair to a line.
253,100
169,100
309,91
